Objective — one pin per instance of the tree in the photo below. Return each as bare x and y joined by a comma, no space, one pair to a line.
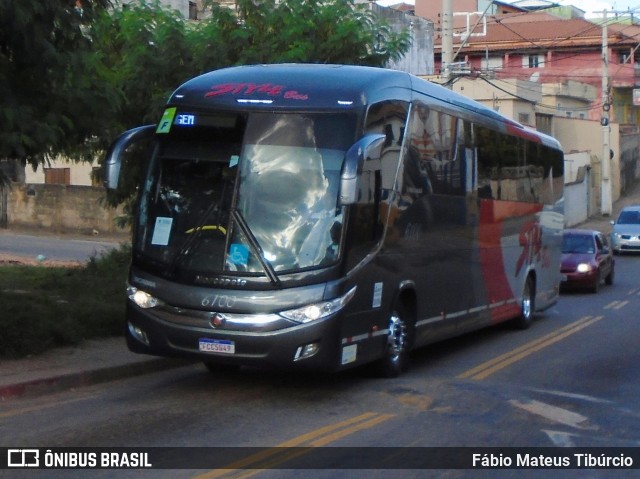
49,98
147,50
75,73
312,31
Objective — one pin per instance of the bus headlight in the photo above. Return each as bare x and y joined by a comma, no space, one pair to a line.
313,312
142,299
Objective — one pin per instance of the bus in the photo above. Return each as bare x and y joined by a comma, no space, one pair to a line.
321,217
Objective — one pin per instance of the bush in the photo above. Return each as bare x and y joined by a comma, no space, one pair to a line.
46,307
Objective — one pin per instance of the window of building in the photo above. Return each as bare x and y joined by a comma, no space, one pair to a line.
491,63
523,118
544,123
625,56
193,11
533,61
57,176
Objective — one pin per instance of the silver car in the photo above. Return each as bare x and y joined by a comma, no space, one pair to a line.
625,234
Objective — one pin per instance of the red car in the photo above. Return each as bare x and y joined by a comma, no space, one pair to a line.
587,259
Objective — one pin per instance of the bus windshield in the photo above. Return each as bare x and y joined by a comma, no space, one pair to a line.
245,193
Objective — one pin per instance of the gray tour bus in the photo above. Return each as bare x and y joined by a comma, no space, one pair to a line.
319,217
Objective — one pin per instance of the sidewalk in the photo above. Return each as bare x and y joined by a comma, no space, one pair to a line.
92,362
109,359
603,223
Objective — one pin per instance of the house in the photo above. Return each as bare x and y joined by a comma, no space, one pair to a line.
513,53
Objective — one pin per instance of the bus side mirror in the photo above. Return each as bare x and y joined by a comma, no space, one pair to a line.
113,159
353,162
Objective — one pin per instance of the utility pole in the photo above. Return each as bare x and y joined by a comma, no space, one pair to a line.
447,39
605,194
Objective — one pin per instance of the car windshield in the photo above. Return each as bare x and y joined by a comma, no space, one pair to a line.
578,244
629,218
251,193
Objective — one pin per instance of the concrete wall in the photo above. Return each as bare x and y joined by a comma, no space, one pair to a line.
60,208
585,135
419,59
576,209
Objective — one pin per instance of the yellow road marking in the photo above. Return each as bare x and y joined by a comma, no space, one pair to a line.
496,364
272,457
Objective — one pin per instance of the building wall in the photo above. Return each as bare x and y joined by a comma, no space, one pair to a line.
80,173
419,59
585,135
59,208
515,100
576,209
180,5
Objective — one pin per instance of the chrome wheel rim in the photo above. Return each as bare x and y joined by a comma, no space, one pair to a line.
397,338
526,302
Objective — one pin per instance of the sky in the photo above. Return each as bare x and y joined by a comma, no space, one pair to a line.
589,6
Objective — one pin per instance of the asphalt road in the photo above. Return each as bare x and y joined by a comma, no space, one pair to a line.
571,380
52,247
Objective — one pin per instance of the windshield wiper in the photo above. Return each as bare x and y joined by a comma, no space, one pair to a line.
255,246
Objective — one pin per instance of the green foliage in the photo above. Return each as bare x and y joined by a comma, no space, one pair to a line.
48,95
307,31
47,307
71,81
144,55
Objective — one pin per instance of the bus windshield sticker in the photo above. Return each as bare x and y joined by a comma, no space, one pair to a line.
377,295
165,122
233,161
239,254
349,354
162,231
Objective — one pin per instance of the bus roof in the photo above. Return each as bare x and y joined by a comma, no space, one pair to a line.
294,86
330,87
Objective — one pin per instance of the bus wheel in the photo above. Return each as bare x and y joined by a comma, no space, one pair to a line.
396,357
527,305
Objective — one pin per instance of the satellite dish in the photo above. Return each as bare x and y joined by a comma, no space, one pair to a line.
535,77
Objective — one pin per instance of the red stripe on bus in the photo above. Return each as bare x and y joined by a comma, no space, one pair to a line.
496,278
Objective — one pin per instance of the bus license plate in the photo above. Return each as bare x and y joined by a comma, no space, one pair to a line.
217,346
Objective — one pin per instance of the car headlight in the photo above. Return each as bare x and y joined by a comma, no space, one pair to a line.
142,298
584,268
313,312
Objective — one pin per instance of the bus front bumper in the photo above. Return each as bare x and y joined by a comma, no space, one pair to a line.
309,346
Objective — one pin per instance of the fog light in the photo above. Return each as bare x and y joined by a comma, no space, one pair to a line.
306,351
138,333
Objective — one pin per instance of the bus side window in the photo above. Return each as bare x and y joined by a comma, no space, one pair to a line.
376,184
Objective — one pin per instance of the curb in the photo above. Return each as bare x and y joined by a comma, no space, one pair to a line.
47,385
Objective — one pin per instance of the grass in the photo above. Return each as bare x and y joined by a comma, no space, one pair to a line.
47,307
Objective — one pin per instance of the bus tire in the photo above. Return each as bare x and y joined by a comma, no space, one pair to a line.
527,304
396,356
